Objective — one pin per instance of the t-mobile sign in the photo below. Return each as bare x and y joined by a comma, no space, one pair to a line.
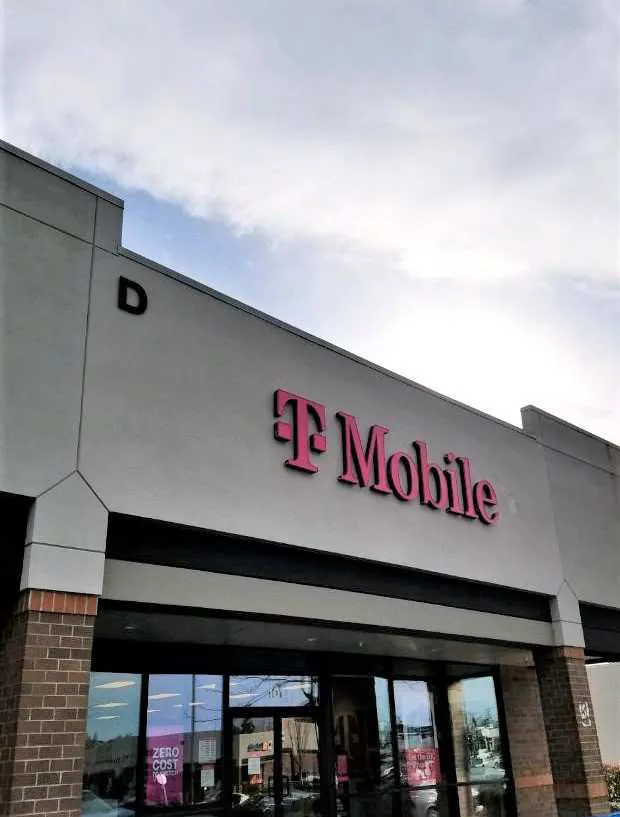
406,475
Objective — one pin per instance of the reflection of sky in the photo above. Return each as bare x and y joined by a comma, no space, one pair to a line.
383,704
479,697
176,702
413,703
113,705
271,690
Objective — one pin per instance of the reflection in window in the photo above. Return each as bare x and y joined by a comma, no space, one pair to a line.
273,690
184,740
477,746
253,767
364,768
111,742
417,736
382,701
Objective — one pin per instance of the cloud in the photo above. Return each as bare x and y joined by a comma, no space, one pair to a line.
473,140
420,162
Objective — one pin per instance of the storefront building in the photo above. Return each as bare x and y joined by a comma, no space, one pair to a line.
246,573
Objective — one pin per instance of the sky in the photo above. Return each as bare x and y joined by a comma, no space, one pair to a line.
433,186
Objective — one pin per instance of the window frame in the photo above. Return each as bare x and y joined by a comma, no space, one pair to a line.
435,675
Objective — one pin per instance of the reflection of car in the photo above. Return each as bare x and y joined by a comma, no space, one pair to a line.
93,806
262,805
488,791
238,798
424,802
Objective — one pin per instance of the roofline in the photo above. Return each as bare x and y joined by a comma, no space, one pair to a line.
191,282
294,330
572,426
56,171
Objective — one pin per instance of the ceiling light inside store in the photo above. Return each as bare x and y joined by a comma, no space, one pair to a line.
115,685
107,717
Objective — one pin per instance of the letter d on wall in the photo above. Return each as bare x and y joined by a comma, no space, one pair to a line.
132,297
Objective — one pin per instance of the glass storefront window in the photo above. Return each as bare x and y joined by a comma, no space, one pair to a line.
184,740
418,747
384,720
253,763
417,735
477,747
362,733
111,743
300,767
272,690
273,760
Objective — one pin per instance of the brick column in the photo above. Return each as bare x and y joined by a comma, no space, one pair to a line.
531,767
580,789
45,650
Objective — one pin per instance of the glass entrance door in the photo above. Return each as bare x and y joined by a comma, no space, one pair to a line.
275,764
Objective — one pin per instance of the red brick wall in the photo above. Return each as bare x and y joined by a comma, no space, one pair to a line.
45,650
573,745
529,755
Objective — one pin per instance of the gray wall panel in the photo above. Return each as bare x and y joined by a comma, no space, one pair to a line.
587,513
178,426
44,276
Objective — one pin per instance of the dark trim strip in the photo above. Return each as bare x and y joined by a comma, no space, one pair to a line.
601,629
133,655
151,541
141,764
14,511
173,610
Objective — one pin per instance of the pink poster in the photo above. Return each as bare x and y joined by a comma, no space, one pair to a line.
164,770
342,769
422,767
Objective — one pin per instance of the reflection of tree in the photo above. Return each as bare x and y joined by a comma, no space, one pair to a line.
247,726
481,735
110,767
297,734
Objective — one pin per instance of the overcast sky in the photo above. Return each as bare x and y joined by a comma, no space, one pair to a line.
431,184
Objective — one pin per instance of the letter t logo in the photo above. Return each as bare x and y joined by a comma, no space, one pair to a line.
302,412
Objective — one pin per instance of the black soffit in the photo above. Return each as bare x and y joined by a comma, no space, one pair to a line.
14,512
601,629
154,639
150,541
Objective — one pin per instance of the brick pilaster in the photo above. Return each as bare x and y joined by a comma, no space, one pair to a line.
576,766
45,650
531,767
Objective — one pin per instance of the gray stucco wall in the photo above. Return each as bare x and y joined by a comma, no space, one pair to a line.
584,480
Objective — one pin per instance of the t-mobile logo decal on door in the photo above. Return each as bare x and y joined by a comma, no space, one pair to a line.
404,474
